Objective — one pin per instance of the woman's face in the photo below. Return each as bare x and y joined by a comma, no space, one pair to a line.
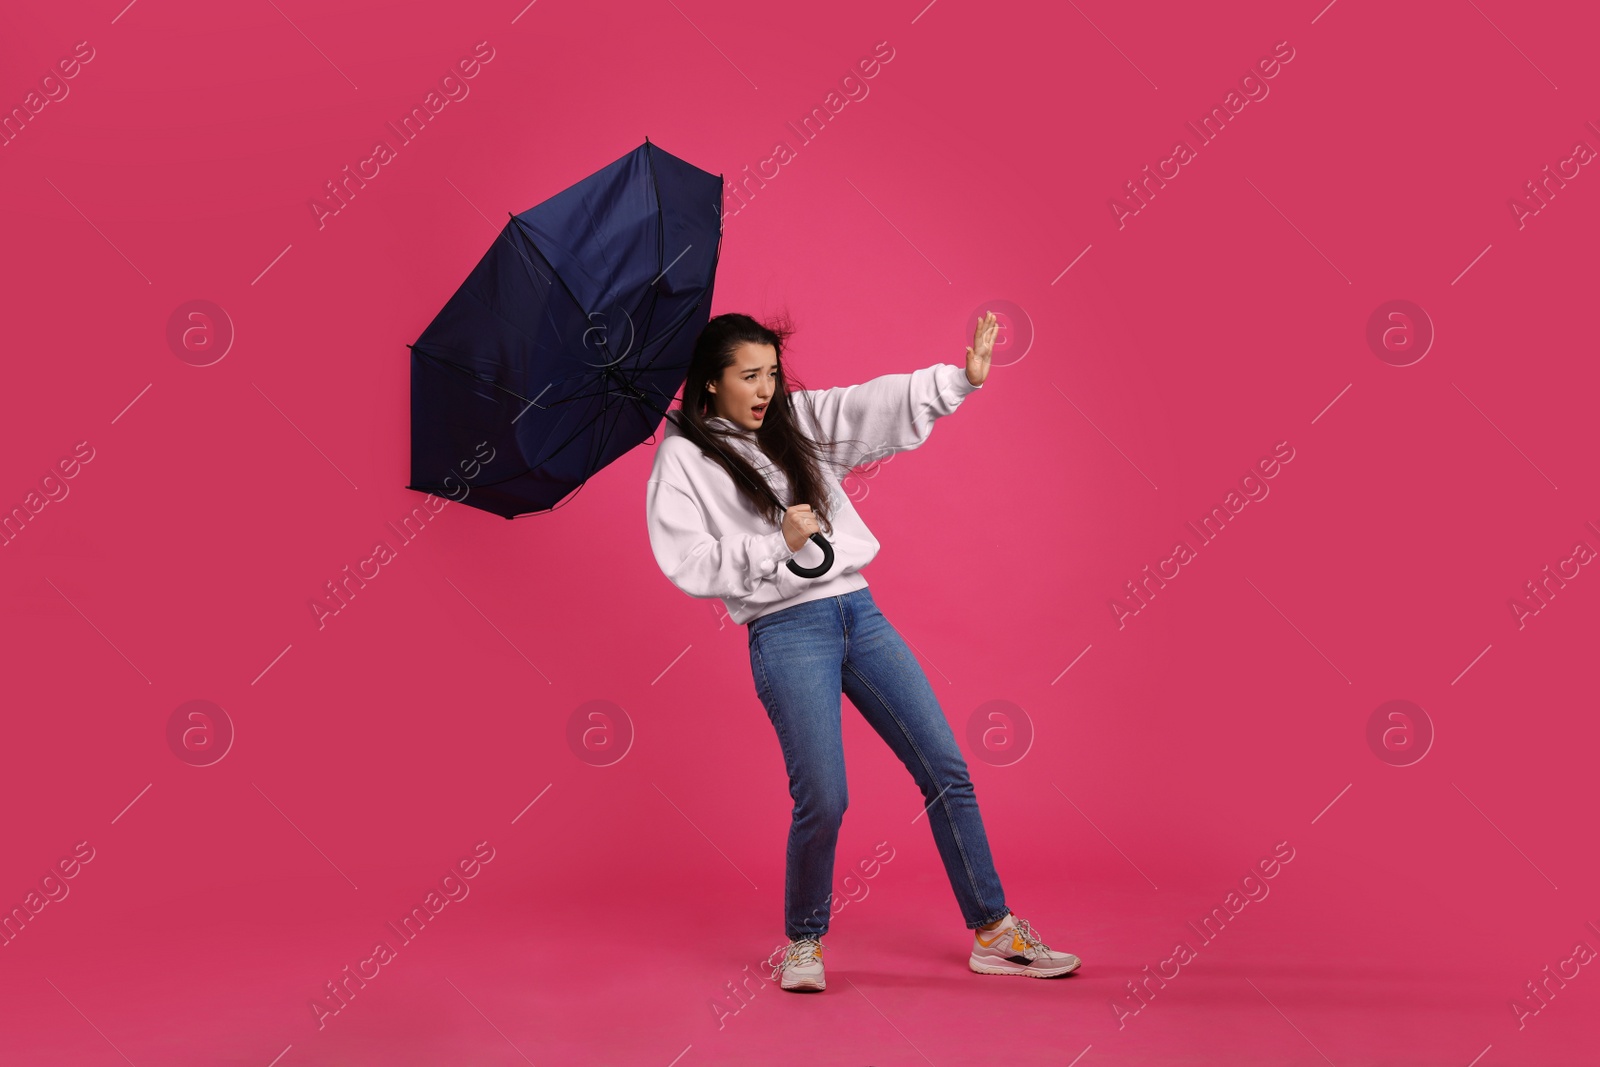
747,385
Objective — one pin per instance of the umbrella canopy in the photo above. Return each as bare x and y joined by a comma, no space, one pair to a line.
569,340
566,343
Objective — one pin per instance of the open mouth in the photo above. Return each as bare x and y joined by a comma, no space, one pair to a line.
759,410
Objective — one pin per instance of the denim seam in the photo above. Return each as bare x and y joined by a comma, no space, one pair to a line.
955,833
764,693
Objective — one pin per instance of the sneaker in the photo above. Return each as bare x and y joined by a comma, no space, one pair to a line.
801,967
1014,948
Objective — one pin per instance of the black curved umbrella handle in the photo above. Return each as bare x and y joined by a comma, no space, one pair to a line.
820,569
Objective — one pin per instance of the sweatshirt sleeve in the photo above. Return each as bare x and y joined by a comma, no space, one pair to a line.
887,414
734,567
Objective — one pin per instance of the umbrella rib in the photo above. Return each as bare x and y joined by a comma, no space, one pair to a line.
594,227
591,465
496,313
523,230
603,439
559,449
468,372
661,244
503,236
661,236
582,426
528,236
716,255
546,457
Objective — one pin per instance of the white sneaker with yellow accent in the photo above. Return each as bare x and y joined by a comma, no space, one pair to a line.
801,967
1014,948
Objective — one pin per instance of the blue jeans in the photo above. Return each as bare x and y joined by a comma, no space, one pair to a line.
803,657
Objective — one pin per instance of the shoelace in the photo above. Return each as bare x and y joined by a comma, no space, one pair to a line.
1029,936
803,951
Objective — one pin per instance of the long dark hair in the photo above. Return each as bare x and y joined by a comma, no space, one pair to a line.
780,437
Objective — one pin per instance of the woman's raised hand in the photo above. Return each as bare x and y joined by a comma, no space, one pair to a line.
982,348
798,526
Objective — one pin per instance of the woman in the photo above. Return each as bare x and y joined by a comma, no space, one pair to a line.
714,534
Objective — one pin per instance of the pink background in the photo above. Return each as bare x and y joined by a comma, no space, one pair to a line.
1229,715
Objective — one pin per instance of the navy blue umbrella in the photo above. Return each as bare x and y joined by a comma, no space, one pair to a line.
565,345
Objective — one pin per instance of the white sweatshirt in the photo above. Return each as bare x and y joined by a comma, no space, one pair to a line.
711,543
